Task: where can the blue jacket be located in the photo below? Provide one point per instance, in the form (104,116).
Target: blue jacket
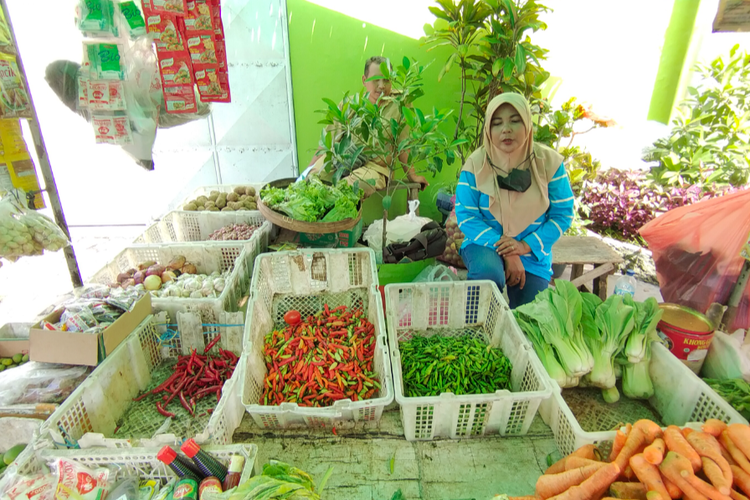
(481,228)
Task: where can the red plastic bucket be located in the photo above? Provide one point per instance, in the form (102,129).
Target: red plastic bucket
(688,334)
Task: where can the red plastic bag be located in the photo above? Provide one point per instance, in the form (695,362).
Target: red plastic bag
(697,248)
(455,238)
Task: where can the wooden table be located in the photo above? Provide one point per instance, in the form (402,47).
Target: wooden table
(581,250)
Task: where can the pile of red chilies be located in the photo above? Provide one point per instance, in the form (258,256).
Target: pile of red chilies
(316,362)
(195,377)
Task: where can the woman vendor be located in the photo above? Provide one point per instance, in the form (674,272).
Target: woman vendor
(513,202)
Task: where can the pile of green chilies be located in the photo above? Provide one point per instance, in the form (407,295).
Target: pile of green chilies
(461,365)
(735,391)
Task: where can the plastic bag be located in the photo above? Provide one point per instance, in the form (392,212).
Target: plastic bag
(437,272)
(33,383)
(35,487)
(24,232)
(697,248)
(455,239)
(728,357)
(80,482)
(401,229)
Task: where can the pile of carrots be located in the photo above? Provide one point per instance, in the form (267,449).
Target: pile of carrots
(648,463)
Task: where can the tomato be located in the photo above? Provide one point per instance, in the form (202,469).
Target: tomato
(293,318)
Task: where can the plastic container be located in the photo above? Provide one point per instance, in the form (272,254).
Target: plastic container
(305,280)
(626,284)
(222,256)
(688,334)
(458,308)
(680,398)
(182,226)
(100,402)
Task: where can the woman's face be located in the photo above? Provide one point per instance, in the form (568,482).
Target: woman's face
(507,131)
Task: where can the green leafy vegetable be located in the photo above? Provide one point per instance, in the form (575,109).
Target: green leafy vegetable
(615,321)
(647,316)
(735,391)
(311,200)
(278,480)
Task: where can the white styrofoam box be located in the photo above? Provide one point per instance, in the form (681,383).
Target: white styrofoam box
(680,398)
(133,462)
(220,256)
(107,394)
(183,226)
(476,308)
(305,281)
(725,360)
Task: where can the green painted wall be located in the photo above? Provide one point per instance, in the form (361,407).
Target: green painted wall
(328,52)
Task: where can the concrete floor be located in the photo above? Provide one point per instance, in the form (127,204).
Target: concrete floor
(426,470)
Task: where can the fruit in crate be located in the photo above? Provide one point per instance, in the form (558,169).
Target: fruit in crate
(12,362)
(164,280)
(233,232)
(239,200)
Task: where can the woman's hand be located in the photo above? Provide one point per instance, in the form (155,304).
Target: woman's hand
(508,246)
(515,274)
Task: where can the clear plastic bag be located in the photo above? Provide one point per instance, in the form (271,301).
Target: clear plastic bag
(455,239)
(438,272)
(25,232)
(401,229)
(34,383)
(697,248)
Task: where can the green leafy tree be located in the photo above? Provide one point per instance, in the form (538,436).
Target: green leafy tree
(710,138)
(363,129)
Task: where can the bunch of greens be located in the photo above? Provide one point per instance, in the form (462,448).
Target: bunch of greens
(735,391)
(460,365)
(278,480)
(584,341)
(311,200)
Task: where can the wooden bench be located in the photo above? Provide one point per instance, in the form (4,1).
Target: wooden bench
(581,250)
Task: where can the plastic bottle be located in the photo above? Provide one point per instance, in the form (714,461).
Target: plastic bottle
(209,485)
(185,489)
(170,458)
(207,464)
(235,471)
(626,284)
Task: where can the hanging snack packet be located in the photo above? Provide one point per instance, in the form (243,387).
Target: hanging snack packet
(14,100)
(38,487)
(83,86)
(221,53)
(95,18)
(198,18)
(133,19)
(123,132)
(202,49)
(180,99)
(176,69)
(207,78)
(104,60)
(166,34)
(6,42)
(216,20)
(177,7)
(106,95)
(104,128)
(80,482)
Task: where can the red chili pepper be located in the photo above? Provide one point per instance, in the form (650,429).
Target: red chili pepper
(142,396)
(185,404)
(212,343)
(161,410)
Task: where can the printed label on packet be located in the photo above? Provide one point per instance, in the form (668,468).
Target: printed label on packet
(123,134)
(221,53)
(104,128)
(177,7)
(180,99)
(202,49)
(167,35)
(176,69)
(216,20)
(106,95)
(207,79)
(198,19)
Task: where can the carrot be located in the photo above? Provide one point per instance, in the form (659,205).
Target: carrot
(649,475)
(654,453)
(741,479)
(636,439)
(714,474)
(714,427)
(550,485)
(649,428)
(652,495)
(673,467)
(593,487)
(735,452)
(674,491)
(705,488)
(589,451)
(686,431)
(620,437)
(740,436)
(577,462)
(707,446)
(628,472)
(677,443)
(735,495)
(625,490)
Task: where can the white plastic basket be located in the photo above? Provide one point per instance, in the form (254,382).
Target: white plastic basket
(680,398)
(476,308)
(179,226)
(305,281)
(221,256)
(136,462)
(104,398)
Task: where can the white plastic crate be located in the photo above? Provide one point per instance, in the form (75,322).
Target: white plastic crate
(221,256)
(102,400)
(305,281)
(182,226)
(680,398)
(451,309)
(136,462)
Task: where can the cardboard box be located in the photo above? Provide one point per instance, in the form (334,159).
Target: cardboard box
(14,339)
(75,348)
(342,239)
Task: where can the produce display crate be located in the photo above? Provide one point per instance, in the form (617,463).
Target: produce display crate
(137,462)
(451,309)
(104,400)
(305,281)
(180,226)
(221,256)
(680,398)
